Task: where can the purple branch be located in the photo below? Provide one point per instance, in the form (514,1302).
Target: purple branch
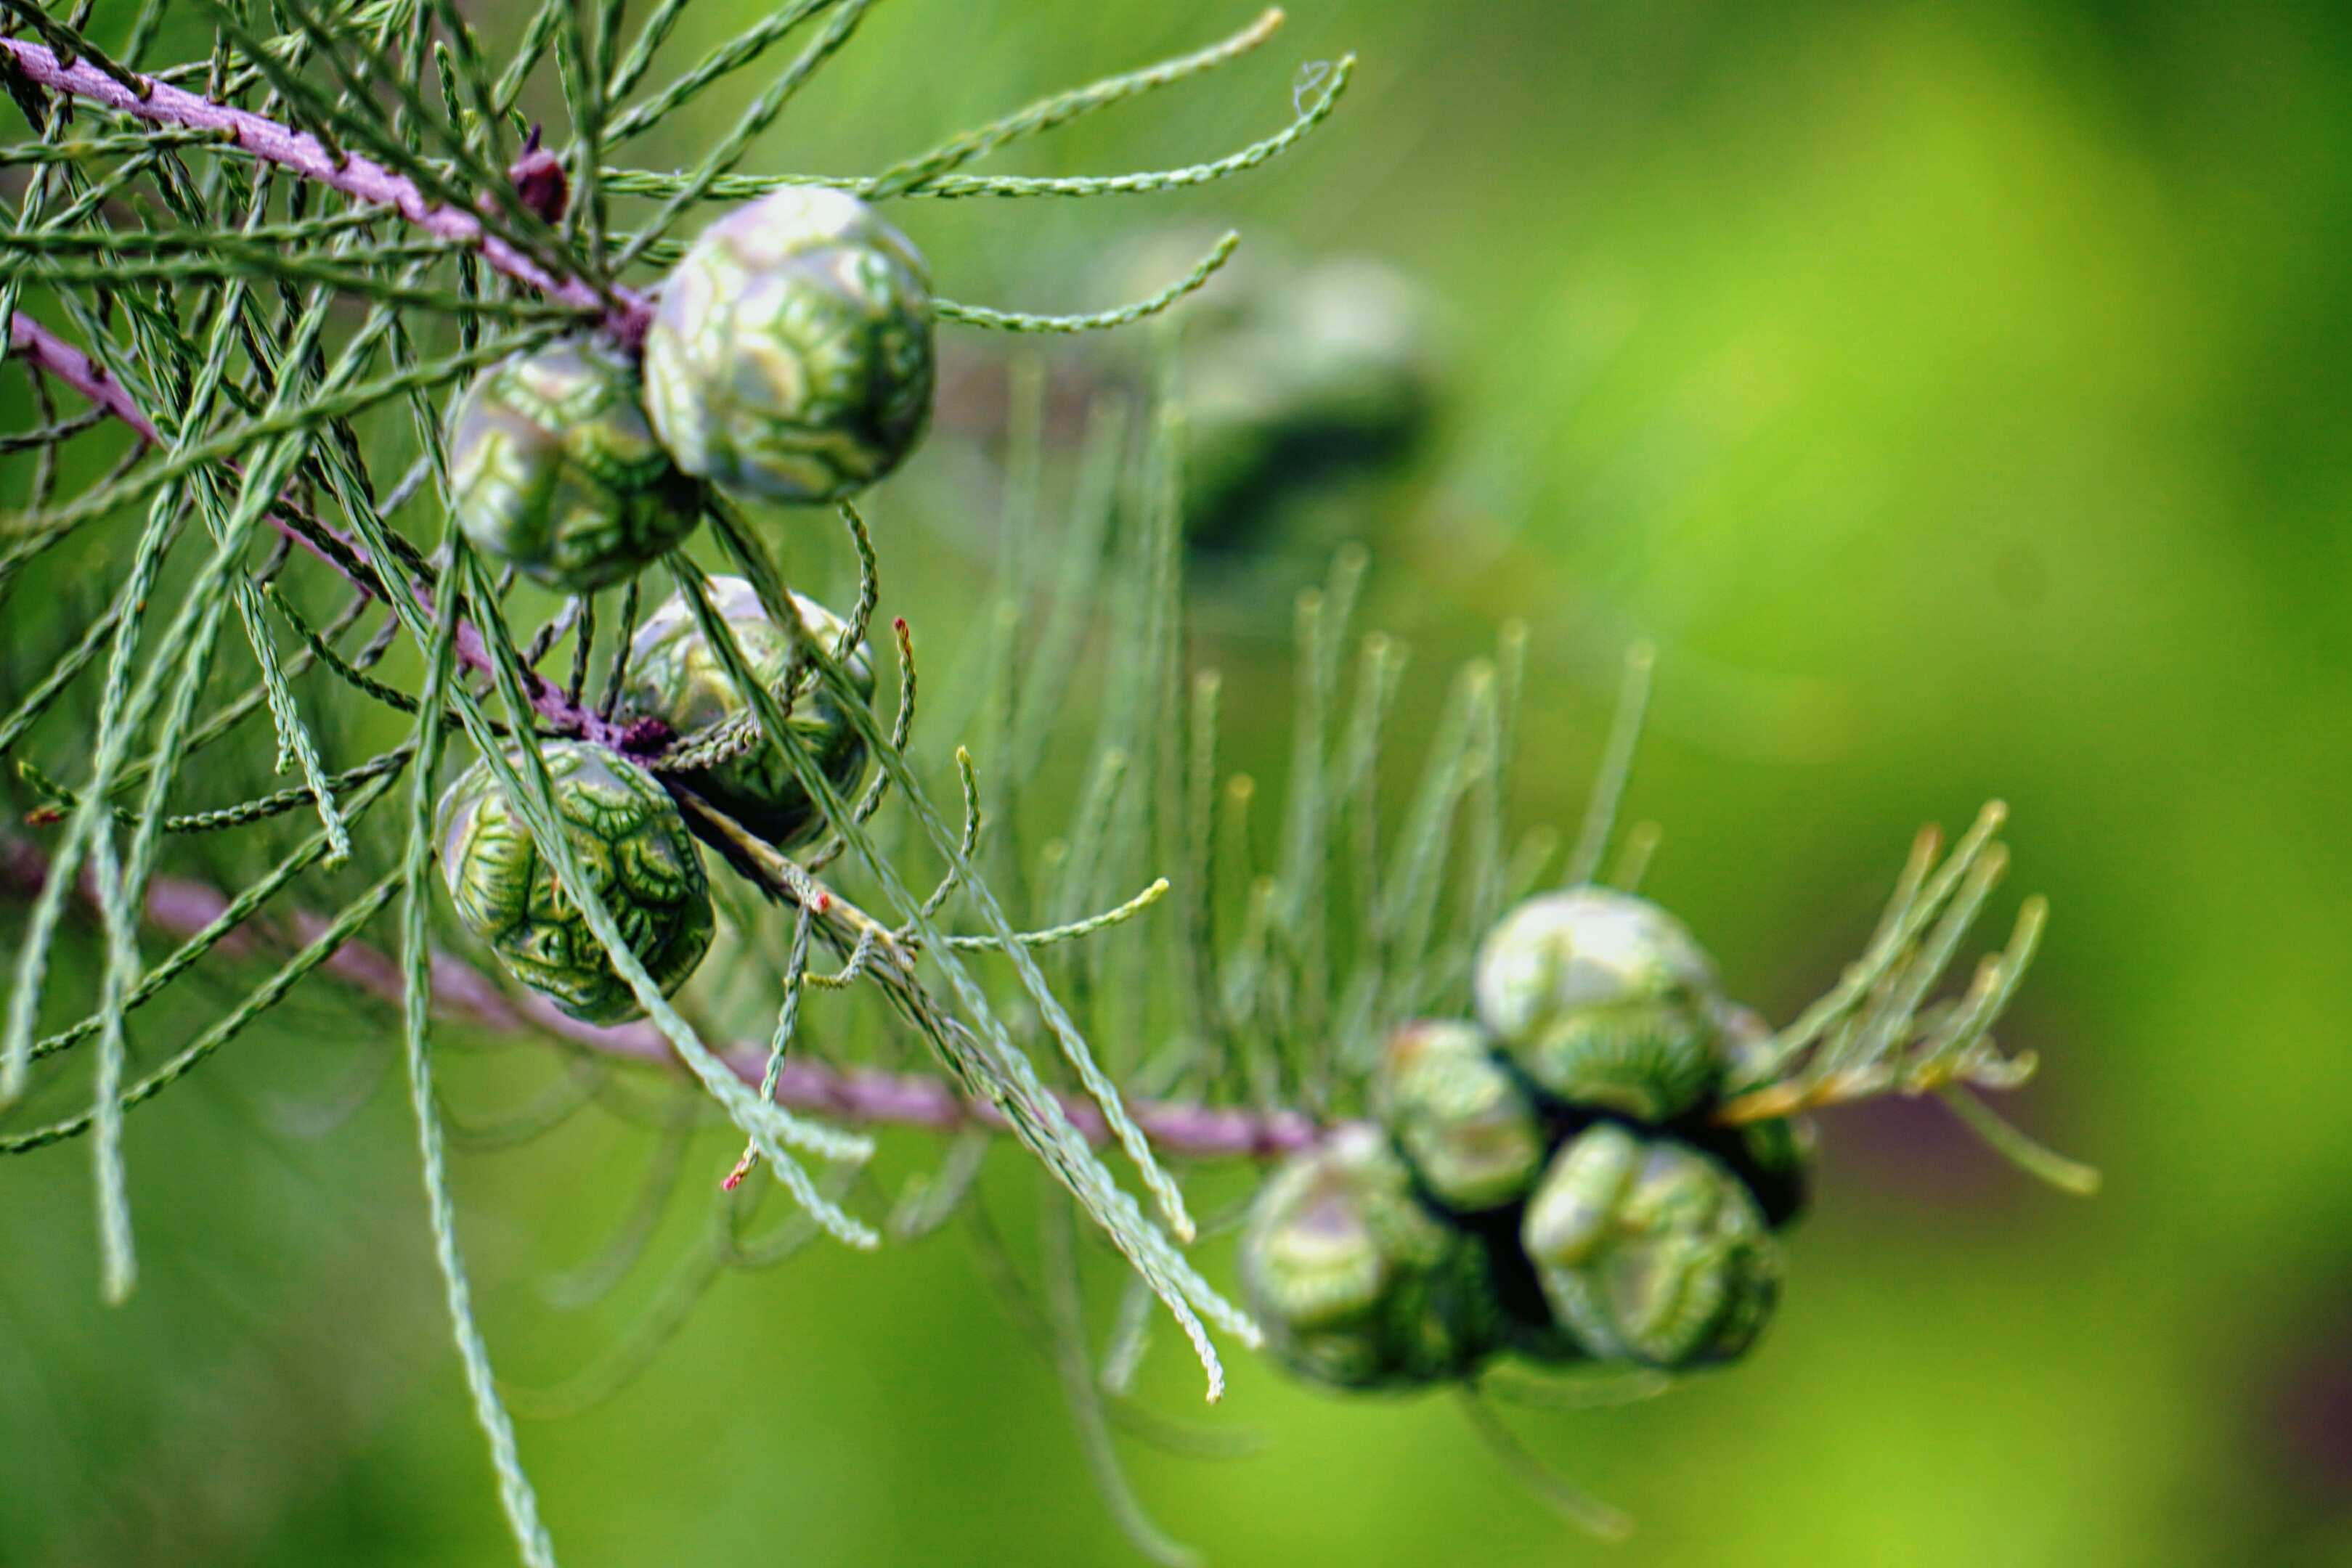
(163,104)
(626,311)
(859,1094)
(37,345)
(849,1093)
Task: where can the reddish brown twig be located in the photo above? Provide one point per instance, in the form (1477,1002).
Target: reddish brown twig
(37,345)
(625,311)
(862,1095)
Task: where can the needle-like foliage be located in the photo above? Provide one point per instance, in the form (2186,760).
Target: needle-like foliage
(257,278)
(266,271)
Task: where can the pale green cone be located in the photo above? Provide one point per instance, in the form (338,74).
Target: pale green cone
(630,841)
(554,470)
(1604,1000)
(1468,1129)
(791,353)
(676,676)
(1358,1286)
(1650,1251)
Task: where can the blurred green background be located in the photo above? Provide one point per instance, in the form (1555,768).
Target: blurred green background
(1960,395)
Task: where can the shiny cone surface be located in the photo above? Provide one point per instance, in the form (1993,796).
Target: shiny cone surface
(630,841)
(554,468)
(1356,1285)
(1467,1127)
(791,354)
(1605,1001)
(676,676)
(1650,1251)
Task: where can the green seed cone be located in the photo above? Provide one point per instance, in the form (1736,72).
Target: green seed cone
(1604,1000)
(674,675)
(791,354)
(631,843)
(1358,1286)
(554,468)
(1469,1130)
(1650,1251)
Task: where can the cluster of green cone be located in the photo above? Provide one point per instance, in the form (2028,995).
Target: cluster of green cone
(790,357)
(1546,1181)
(626,830)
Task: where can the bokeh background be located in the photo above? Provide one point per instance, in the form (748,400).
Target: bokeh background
(1957,394)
